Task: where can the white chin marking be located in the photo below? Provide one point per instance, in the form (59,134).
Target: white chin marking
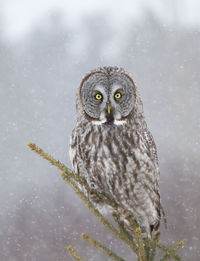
(99,122)
(116,122)
(119,122)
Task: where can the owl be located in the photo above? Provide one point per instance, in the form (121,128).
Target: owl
(112,148)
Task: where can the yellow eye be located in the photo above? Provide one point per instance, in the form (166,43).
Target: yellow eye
(98,96)
(118,95)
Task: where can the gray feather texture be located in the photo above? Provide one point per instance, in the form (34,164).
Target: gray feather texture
(112,148)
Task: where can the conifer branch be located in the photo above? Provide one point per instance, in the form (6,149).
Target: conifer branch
(98,245)
(74,254)
(136,243)
(141,250)
(122,229)
(67,175)
(153,243)
(167,249)
(171,253)
(98,215)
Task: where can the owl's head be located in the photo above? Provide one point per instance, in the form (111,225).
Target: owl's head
(107,96)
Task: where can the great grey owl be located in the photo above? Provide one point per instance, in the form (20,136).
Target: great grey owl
(112,148)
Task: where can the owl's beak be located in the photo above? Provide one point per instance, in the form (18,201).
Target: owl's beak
(108,109)
(109,114)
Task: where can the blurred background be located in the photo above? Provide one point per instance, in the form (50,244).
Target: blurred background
(45,49)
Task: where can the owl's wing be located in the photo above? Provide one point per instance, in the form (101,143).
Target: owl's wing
(150,145)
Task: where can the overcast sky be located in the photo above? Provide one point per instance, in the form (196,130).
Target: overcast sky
(20,16)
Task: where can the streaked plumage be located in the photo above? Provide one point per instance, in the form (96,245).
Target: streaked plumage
(112,148)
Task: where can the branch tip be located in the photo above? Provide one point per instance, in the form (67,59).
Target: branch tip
(84,236)
(181,243)
(69,248)
(73,253)
(31,145)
